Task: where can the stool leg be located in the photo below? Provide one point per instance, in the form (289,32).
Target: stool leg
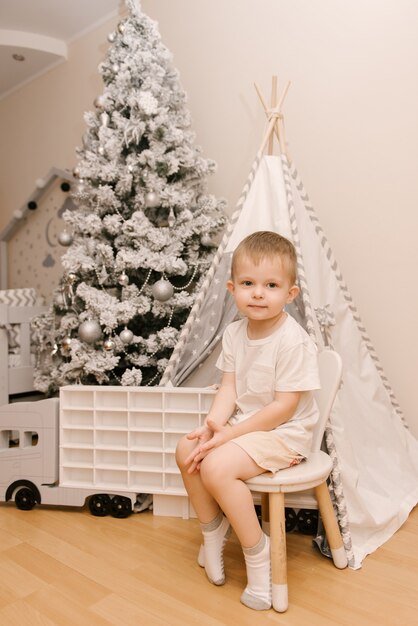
(331,526)
(265,513)
(278,552)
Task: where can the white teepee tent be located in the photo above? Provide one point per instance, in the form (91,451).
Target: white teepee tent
(374,482)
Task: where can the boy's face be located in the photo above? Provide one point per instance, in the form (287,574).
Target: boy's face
(261,291)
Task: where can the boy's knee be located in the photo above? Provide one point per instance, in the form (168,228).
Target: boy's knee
(183,450)
(210,471)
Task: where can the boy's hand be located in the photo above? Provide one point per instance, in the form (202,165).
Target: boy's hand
(220,435)
(202,434)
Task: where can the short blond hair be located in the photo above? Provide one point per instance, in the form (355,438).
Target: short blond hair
(267,244)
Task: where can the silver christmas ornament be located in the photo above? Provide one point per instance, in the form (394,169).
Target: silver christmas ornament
(76,171)
(65,238)
(121,28)
(126,336)
(71,278)
(152,199)
(123,279)
(101,150)
(54,349)
(108,344)
(89,331)
(115,68)
(66,343)
(100,102)
(111,37)
(162,290)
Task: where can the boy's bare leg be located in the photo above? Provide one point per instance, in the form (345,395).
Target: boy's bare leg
(223,472)
(202,501)
(215,527)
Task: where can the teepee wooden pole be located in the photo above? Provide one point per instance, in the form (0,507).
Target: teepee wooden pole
(273,102)
(269,131)
(283,96)
(266,109)
(260,95)
(274,112)
(280,123)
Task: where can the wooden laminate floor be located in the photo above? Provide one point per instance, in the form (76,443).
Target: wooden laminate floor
(64,567)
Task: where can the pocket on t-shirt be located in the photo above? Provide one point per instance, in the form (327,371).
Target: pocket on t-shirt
(260,381)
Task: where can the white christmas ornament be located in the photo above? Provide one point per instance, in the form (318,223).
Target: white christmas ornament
(59,299)
(152,199)
(65,238)
(89,331)
(100,102)
(162,290)
(126,336)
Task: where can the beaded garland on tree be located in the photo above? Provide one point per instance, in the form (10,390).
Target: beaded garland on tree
(141,238)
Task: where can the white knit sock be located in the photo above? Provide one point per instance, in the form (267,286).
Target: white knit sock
(215,535)
(257,594)
(201,556)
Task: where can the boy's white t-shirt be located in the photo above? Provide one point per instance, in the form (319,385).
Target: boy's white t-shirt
(286,360)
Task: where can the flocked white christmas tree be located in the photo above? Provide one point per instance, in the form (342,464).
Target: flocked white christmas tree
(141,237)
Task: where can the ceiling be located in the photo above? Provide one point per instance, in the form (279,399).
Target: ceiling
(40,31)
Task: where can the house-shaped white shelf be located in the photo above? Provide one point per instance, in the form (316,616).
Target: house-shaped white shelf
(42,240)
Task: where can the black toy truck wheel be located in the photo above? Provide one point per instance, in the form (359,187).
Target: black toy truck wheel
(25,499)
(100,504)
(291,519)
(307,520)
(121,506)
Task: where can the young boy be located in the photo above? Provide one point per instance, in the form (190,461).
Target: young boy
(262,416)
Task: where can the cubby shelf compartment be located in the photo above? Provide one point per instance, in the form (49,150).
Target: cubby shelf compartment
(124,438)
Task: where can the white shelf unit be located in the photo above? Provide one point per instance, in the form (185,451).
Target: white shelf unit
(124,438)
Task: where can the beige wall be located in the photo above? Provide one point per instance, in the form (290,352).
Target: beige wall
(350,119)
(42,123)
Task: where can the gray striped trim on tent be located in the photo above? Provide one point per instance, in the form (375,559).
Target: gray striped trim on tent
(336,490)
(301,268)
(334,266)
(194,312)
(335,487)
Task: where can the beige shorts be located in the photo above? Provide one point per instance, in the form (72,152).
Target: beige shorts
(268,450)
